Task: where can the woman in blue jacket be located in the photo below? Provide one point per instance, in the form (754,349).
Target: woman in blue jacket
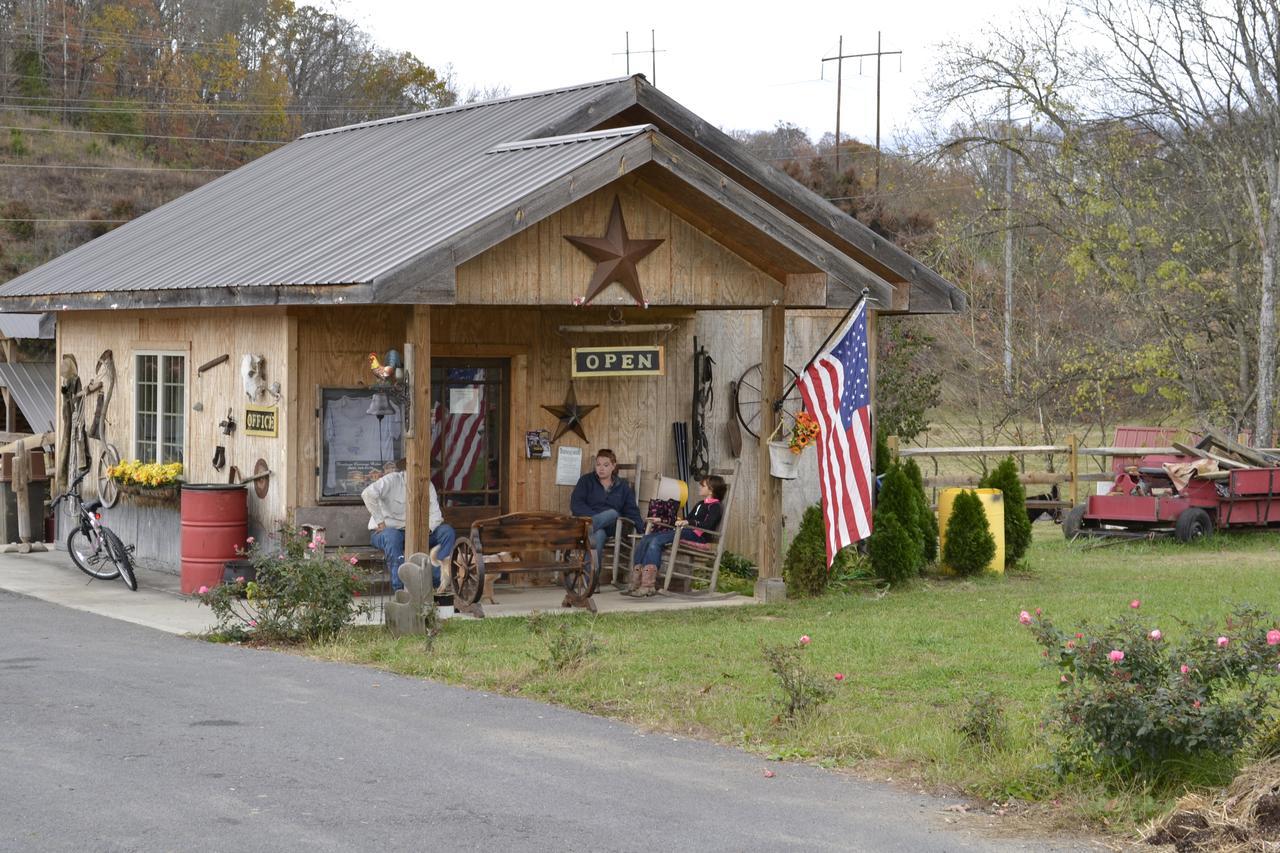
(605,497)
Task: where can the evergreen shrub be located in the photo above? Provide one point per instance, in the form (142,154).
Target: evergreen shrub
(969,548)
(805,566)
(895,554)
(1017,525)
(928,521)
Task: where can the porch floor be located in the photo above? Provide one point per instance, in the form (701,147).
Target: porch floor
(158,603)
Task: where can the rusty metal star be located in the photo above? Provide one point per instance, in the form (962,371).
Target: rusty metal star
(570,415)
(616,256)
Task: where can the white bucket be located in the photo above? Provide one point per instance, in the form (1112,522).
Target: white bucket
(444,611)
(783,464)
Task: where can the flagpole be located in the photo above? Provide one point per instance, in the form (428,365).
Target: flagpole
(777,404)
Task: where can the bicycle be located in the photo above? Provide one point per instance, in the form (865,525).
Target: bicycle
(92,545)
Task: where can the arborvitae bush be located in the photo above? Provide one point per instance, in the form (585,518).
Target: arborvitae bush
(928,523)
(884,459)
(895,554)
(805,567)
(898,498)
(1017,526)
(970,547)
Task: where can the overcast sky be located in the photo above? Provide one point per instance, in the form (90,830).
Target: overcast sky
(740,66)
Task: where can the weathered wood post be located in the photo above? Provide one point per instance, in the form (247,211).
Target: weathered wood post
(769,584)
(417,521)
(1073,467)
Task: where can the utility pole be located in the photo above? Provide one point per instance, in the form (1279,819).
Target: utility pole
(1008,249)
(652,51)
(838,59)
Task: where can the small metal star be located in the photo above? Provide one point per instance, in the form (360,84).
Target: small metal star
(616,256)
(570,415)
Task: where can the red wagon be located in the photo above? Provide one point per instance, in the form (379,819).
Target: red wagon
(1147,502)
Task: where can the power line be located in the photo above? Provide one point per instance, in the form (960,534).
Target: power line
(144,135)
(839,59)
(66,220)
(107,168)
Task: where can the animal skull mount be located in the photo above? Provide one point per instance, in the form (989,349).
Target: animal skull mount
(253,372)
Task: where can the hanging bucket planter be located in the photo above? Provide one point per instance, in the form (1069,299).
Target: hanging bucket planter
(783,464)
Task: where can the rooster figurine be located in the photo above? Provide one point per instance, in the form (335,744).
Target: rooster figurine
(382,371)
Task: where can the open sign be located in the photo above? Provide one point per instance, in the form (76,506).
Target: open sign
(618,361)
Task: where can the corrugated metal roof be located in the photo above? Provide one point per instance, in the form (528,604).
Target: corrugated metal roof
(336,207)
(28,325)
(32,387)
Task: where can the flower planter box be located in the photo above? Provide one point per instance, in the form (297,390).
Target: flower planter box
(147,496)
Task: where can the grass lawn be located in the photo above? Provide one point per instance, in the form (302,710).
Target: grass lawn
(910,658)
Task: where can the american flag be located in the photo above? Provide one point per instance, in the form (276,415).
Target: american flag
(837,392)
(459,436)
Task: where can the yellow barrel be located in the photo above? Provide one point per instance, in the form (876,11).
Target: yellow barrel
(992,505)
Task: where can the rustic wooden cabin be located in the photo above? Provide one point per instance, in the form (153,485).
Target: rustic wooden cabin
(487,244)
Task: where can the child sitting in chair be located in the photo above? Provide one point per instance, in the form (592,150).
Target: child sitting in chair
(648,551)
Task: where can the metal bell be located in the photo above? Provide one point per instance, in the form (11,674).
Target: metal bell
(380,406)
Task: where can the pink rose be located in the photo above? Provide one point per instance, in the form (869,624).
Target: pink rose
(1071,644)
(1156,635)
(768,774)
(1195,704)
(353,561)
(311,545)
(240,579)
(202,590)
(250,541)
(1135,604)
(319,540)
(804,641)
(1039,611)
(1024,617)
(1273,637)
(1116,656)
(1063,679)
(1222,642)
(1079,636)
(839,676)
(253,623)
(1184,669)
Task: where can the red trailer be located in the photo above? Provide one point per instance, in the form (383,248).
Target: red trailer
(1147,502)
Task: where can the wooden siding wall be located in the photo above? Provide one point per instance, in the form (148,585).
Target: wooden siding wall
(634,415)
(201,336)
(689,268)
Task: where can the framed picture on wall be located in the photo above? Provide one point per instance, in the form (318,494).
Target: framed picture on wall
(355,443)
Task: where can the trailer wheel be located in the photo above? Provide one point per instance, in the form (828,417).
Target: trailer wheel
(1192,524)
(1073,522)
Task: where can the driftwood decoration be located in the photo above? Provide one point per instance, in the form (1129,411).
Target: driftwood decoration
(409,611)
(103,386)
(70,387)
(21,489)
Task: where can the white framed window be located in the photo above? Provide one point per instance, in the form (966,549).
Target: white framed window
(160,406)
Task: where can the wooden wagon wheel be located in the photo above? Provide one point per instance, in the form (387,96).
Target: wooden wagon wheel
(577,583)
(108,489)
(467,572)
(748,402)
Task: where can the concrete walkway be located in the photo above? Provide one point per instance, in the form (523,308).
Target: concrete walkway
(158,603)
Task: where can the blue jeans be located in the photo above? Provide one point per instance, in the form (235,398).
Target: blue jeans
(649,549)
(391,541)
(602,526)
(444,536)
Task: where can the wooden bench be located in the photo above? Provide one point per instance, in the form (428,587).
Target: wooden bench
(346,529)
(528,542)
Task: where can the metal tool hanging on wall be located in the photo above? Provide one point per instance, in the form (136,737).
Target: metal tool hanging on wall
(228,424)
(703,399)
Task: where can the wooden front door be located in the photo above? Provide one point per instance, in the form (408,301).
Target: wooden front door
(470,404)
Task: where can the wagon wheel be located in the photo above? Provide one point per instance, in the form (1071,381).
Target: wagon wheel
(467,572)
(748,402)
(578,583)
(108,489)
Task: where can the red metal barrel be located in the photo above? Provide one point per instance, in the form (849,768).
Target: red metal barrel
(215,521)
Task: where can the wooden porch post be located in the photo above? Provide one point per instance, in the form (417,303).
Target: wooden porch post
(417,522)
(769,585)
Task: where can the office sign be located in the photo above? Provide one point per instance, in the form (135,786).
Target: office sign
(260,420)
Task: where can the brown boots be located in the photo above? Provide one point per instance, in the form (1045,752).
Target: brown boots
(644,581)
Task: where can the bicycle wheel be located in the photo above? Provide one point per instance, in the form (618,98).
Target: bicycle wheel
(90,555)
(119,555)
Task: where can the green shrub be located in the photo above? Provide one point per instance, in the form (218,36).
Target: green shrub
(803,692)
(1017,526)
(805,567)
(1133,702)
(983,724)
(738,566)
(928,521)
(884,459)
(566,646)
(296,596)
(17,144)
(970,547)
(895,553)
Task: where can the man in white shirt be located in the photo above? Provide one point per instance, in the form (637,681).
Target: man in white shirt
(385,501)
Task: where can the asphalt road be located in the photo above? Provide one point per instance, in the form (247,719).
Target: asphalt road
(115,737)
